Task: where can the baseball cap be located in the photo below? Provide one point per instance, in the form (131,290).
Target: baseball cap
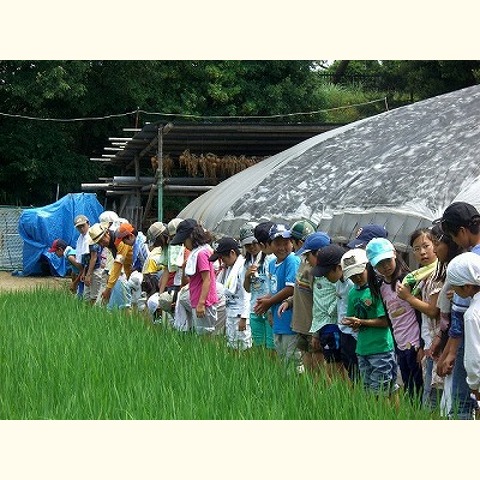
(108,216)
(458,214)
(366,233)
(184,229)
(155,230)
(328,257)
(97,231)
(302,228)
(314,241)
(80,220)
(172,226)
(379,249)
(224,246)
(58,243)
(262,230)
(279,230)
(353,262)
(247,236)
(123,231)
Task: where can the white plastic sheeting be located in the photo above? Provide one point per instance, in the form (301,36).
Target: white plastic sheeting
(399,169)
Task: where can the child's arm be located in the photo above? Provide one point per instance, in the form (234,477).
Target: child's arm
(428,308)
(91,266)
(264,303)
(73,261)
(203,293)
(356,323)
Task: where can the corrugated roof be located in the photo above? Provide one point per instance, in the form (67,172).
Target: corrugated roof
(221,139)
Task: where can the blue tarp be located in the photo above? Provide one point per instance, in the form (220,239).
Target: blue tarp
(39,227)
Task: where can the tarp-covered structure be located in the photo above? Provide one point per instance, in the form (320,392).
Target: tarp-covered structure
(39,227)
(400,169)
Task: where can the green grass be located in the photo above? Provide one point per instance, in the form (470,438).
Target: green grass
(61,359)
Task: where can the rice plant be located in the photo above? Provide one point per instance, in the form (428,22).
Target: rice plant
(62,359)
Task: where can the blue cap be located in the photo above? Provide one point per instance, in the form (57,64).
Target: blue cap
(365,234)
(314,241)
(379,249)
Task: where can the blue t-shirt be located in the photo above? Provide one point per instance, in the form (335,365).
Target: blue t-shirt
(69,251)
(282,275)
(86,256)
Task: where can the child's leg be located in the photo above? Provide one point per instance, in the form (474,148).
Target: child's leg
(383,372)
(411,372)
(237,339)
(257,326)
(348,345)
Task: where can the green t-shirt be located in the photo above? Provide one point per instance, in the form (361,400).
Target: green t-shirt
(371,340)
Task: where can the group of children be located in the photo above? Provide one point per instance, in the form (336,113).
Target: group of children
(352,310)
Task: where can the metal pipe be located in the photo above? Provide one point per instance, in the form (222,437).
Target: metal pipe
(162,129)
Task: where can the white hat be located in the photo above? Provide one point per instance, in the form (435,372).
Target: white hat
(353,262)
(464,269)
(108,216)
(172,226)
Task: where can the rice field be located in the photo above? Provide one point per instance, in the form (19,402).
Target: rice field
(63,360)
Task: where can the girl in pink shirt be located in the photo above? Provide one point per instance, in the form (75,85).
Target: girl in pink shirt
(201,275)
(403,317)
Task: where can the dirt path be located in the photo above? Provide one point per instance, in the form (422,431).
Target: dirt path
(9,282)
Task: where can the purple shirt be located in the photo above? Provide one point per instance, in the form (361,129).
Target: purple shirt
(402,315)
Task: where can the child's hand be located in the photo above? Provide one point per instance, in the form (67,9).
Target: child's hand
(262,305)
(282,308)
(251,270)
(242,324)
(403,291)
(353,322)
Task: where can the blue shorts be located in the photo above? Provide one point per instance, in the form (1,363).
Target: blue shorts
(379,372)
(330,341)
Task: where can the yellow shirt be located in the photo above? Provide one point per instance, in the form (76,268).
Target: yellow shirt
(123,260)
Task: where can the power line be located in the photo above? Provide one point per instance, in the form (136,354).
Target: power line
(182,115)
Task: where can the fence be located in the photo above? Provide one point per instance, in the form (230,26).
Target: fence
(11,244)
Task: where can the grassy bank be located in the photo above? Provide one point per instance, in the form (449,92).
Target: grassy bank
(60,359)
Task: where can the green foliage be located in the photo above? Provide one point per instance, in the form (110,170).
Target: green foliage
(63,359)
(36,156)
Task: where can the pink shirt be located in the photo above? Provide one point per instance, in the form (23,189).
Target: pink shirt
(203,264)
(402,315)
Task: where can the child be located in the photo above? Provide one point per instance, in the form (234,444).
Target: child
(405,325)
(461,221)
(257,284)
(421,241)
(153,268)
(328,266)
(366,314)
(282,271)
(82,224)
(302,302)
(202,282)
(300,231)
(239,335)
(61,249)
(463,274)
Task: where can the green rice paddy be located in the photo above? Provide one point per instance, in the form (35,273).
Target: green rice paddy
(62,359)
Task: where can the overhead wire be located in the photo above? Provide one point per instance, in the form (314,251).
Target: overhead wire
(183,115)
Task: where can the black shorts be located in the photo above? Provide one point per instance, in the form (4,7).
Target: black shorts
(330,342)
